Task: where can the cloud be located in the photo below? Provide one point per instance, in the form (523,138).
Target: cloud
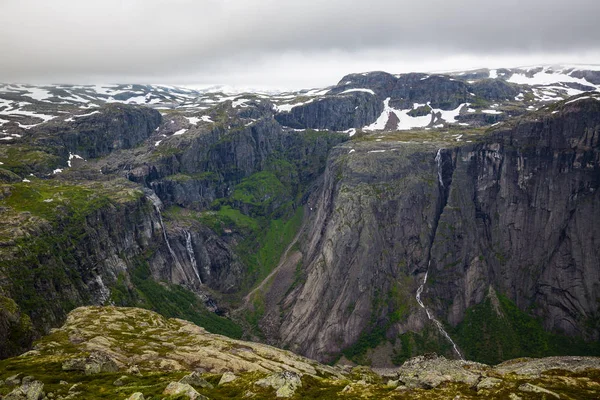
(223,40)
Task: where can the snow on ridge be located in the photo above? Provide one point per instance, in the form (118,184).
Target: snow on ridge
(450,115)
(239,102)
(491,112)
(547,78)
(206,118)
(582,98)
(358,90)
(493,73)
(193,120)
(289,107)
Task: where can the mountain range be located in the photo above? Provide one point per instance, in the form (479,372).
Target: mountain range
(382,218)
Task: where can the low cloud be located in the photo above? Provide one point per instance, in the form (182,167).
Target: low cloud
(283,43)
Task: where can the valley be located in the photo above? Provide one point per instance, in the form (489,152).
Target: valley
(366,223)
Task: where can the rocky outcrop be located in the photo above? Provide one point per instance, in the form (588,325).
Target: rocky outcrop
(153,347)
(162,349)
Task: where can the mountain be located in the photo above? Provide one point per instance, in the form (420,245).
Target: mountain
(378,219)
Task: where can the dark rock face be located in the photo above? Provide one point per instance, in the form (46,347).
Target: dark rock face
(342,109)
(522,215)
(494,89)
(339,113)
(114,127)
(518,212)
(442,91)
(371,228)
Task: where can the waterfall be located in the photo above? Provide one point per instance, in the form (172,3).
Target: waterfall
(438,159)
(437,323)
(162,225)
(190,250)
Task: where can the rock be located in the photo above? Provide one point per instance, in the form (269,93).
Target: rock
(176,388)
(134,370)
(94,364)
(27,379)
(13,380)
(74,388)
(136,396)
(121,381)
(392,383)
(227,377)
(285,383)
(528,387)
(488,383)
(195,379)
(31,390)
(64,383)
(514,396)
(430,371)
(34,390)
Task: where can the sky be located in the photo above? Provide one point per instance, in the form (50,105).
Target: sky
(284,44)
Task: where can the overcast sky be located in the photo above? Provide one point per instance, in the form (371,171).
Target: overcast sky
(280,43)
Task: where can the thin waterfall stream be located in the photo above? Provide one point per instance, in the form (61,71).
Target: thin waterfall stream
(437,323)
(190,250)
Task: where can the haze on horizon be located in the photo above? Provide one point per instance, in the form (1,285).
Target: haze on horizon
(284,44)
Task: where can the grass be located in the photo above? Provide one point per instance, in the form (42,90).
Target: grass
(447,136)
(51,199)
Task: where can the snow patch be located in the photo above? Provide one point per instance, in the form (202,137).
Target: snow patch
(289,107)
(582,98)
(180,132)
(358,90)
(193,120)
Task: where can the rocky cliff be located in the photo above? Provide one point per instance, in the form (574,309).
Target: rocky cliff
(377,244)
(507,221)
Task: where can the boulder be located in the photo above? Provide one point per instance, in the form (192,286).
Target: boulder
(94,364)
(176,388)
(285,383)
(195,379)
(528,387)
(227,377)
(136,396)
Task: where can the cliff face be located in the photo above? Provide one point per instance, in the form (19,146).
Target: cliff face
(515,213)
(522,216)
(490,228)
(84,235)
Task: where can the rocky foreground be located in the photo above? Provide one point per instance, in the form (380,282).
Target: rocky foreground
(130,353)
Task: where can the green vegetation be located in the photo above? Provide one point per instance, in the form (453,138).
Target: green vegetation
(171,301)
(24,159)
(420,111)
(488,336)
(443,136)
(427,341)
(262,253)
(261,192)
(53,199)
